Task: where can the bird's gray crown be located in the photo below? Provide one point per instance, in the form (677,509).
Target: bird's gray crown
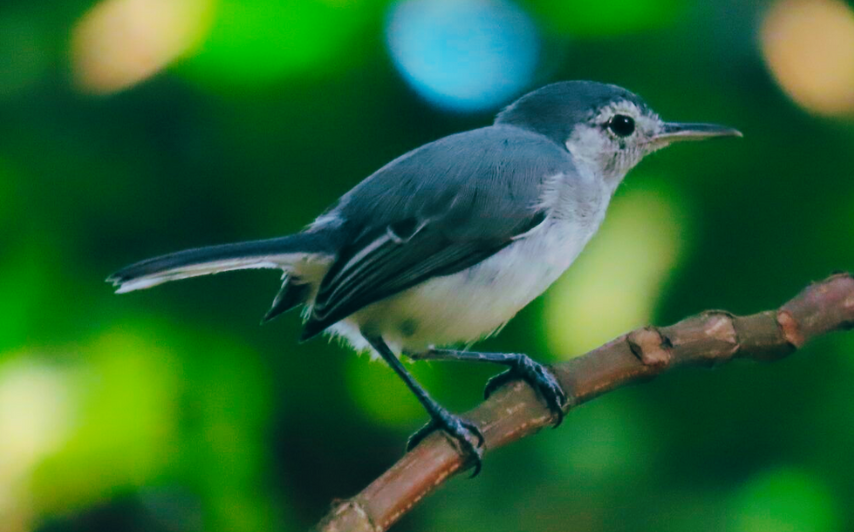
(555,110)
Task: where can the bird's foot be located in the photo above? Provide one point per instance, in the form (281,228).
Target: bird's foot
(538,377)
(465,435)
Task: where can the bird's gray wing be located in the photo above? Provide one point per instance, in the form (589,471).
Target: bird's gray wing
(435,211)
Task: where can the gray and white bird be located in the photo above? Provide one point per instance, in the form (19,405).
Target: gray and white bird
(448,242)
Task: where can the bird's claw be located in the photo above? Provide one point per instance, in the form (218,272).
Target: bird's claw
(465,435)
(539,378)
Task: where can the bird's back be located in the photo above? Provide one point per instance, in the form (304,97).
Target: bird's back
(481,182)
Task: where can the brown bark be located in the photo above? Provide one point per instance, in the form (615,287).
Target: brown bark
(514,411)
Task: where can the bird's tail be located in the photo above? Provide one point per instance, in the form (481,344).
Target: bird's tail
(278,253)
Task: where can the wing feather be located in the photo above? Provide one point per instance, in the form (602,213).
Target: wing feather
(391,268)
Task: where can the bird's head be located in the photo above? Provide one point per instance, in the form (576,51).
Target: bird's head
(606,128)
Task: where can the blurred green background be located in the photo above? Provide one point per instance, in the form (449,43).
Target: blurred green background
(130,128)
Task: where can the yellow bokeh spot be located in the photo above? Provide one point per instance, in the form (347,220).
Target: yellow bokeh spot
(809,47)
(37,413)
(119,43)
(614,285)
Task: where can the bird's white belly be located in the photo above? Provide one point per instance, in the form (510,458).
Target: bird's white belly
(473,303)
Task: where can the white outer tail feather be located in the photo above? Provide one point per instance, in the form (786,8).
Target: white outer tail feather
(196,270)
(306,255)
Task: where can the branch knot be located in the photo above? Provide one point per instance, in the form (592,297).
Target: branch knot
(348,516)
(790,329)
(651,347)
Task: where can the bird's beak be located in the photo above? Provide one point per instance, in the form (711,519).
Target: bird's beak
(676,131)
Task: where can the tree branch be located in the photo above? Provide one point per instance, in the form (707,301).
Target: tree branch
(514,411)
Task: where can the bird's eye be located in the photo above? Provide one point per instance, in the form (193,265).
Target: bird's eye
(621,125)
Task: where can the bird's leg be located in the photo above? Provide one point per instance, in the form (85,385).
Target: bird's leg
(467,436)
(521,367)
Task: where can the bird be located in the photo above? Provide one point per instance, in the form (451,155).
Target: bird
(442,246)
